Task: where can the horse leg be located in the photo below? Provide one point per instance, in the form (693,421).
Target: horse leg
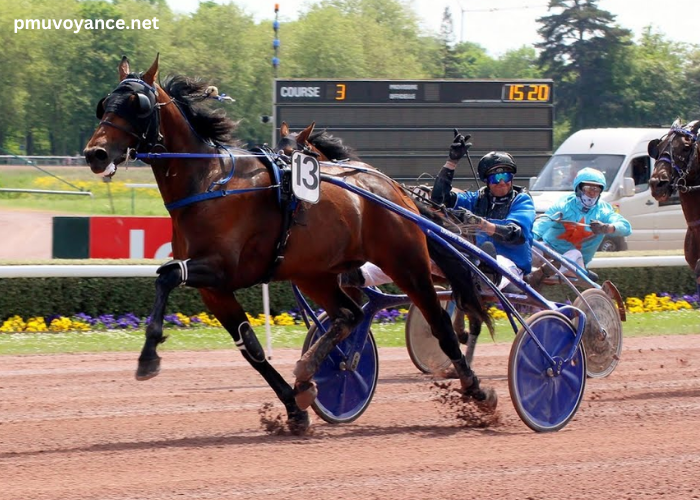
(203,274)
(697,277)
(170,275)
(418,286)
(472,337)
(345,315)
(233,318)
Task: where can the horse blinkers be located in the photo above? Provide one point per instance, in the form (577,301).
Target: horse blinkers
(143,106)
(100,110)
(653,148)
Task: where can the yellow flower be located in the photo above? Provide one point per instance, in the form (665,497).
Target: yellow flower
(496,313)
(13,324)
(284,319)
(60,324)
(36,325)
(185,320)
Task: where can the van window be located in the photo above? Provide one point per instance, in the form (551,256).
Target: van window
(640,170)
(560,171)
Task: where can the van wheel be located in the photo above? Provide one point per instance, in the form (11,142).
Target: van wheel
(612,245)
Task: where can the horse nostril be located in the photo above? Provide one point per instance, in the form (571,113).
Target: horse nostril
(93,155)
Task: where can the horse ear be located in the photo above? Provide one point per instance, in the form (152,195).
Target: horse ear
(124,68)
(284,130)
(696,126)
(304,135)
(150,76)
(653,148)
(677,123)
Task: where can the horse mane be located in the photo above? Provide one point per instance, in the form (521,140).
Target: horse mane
(332,147)
(209,123)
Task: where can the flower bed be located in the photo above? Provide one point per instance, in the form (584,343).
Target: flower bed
(84,322)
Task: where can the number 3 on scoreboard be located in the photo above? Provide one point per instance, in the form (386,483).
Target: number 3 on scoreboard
(306,177)
(339,91)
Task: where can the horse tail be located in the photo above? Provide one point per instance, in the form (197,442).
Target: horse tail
(462,281)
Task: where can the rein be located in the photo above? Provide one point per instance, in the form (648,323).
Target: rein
(209,194)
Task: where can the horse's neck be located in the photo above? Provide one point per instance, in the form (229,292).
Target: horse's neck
(179,178)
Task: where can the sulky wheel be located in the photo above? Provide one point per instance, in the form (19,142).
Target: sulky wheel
(346,380)
(545,399)
(602,337)
(424,349)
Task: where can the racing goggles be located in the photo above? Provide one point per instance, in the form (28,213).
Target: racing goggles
(501,176)
(591,189)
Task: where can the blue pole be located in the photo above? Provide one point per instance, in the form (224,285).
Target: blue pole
(276,41)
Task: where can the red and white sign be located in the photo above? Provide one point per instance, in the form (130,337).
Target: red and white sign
(131,238)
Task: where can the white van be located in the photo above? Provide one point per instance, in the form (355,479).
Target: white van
(621,154)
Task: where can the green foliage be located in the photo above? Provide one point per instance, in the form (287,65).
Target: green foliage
(94,296)
(53,78)
(30,297)
(581,50)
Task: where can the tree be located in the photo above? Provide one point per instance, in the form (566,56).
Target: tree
(660,83)
(582,47)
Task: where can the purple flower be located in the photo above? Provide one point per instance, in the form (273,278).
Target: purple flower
(86,318)
(108,321)
(172,318)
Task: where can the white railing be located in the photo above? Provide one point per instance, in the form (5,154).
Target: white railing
(149,271)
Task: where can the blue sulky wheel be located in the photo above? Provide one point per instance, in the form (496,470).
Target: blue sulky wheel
(544,400)
(347,379)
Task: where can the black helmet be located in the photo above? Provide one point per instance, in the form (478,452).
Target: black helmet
(495,162)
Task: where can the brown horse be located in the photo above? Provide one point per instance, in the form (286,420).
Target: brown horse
(328,147)
(677,168)
(228,230)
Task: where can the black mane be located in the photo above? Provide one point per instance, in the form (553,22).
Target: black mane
(209,123)
(332,146)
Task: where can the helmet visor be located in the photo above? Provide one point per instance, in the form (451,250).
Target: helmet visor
(501,176)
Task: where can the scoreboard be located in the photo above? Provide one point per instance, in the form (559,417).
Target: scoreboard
(405,127)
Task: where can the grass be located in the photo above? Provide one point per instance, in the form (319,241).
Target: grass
(109,198)
(386,335)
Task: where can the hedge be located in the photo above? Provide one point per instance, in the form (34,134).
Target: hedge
(29,297)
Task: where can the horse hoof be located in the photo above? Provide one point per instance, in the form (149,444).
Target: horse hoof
(299,424)
(148,369)
(490,400)
(305,394)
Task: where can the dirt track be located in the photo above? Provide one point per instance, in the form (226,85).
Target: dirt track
(80,427)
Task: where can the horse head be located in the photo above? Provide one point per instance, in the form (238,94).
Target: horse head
(324,146)
(676,156)
(128,117)
(298,141)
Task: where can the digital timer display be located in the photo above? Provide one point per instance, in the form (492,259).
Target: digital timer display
(526,92)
